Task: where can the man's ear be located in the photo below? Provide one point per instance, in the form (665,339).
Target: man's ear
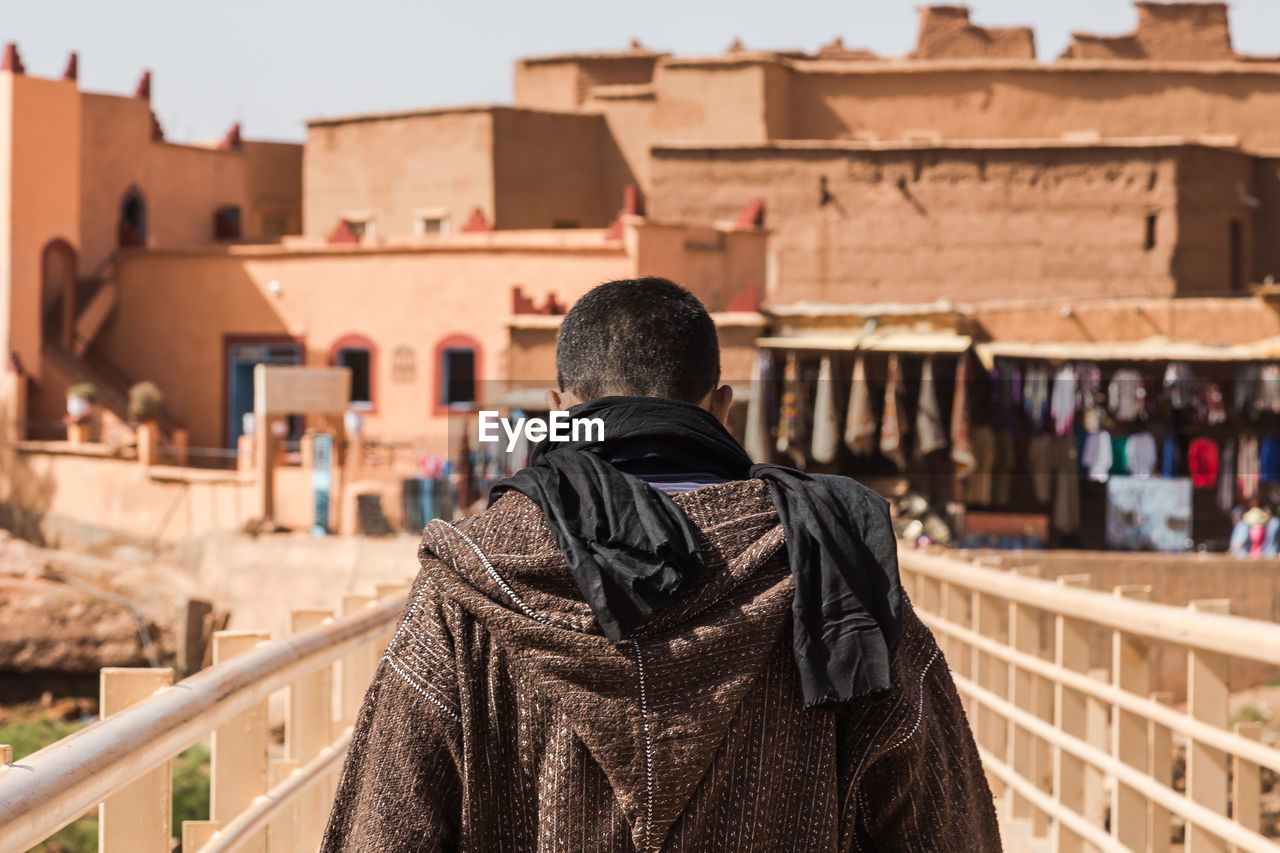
(719,401)
(561,401)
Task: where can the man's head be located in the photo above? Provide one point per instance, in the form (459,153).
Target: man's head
(643,337)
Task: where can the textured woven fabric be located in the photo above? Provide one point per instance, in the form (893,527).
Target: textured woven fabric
(500,719)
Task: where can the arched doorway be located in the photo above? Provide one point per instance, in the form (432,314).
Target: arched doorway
(132,230)
(58,291)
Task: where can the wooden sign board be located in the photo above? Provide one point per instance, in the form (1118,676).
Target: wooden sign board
(289,389)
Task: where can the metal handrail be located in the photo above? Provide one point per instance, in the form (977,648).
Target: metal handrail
(1229,635)
(48,789)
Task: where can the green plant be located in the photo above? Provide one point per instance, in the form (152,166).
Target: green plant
(84,390)
(146,401)
(1250,714)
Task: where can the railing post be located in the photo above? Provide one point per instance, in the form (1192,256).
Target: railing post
(1247,792)
(1207,701)
(1131,672)
(1095,799)
(238,748)
(1024,636)
(1160,746)
(282,831)
(196,834)
(1071,651)
(137,818)
(309,731)
(992,674)
(357,667)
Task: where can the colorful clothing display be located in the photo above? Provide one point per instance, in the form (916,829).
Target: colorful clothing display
(930,436)
(1247,467)
(1127,395)
(756,437)
(1062,402)
(962,458)
(826,429)
(1141,454)
(1096,457)
(1202,462)
(891,428)
(860,421)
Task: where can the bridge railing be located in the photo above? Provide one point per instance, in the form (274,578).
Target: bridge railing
(263,796)
(1085,756)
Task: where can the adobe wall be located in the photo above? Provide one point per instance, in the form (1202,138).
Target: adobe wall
(183,185)
(407,297)
(273,185)
(921,225)
(390,167)
(946,33)
(1214,187)
(42,178)
(563,83)
(724,267)
(554,170)
(1266,189)
(966,100)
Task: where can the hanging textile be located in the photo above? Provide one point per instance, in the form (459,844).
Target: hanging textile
(826,429)
(1227,476)
(1088,387)
(1036,387)
(1169,466)
(1247,467)
(1140,454)
(1215,406)
(1244,396)
(1269,460)
(890,428)
(1119,457)
(1179,383)
(1269,388)
(1127,395)
(789,414)
(930,436)
(962,457)
(1202,463)
(756,439)
(860,421)
(1040,449)
(1062,402)
(1066,493)
(1096,457)
(1003,468)
(978,486)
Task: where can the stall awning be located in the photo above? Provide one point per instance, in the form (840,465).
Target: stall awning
(1148,349)
(886,340)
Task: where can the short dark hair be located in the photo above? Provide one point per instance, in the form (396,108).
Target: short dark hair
(638,337)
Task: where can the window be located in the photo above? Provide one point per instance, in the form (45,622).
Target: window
(432,225)
(1149,240)
(361,228)
(356,353)
(1235,237)
(226,223)
(458,376)
(564,223)
(131,230)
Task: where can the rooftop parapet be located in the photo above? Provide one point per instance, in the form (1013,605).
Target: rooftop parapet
(1190,32)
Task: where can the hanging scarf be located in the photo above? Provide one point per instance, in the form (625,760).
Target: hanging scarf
(929,434)
(890,431)
(962,457)
(789,416)
(860,421)
(632,550)
(756,439)
(826,429)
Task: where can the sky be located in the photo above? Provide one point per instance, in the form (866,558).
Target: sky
(271,65)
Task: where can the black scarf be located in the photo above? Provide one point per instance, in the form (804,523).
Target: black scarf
(632,550)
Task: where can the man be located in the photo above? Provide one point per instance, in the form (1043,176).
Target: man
(647,643)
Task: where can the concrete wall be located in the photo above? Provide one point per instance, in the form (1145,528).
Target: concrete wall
(183,185)
(918,225)
(388,167)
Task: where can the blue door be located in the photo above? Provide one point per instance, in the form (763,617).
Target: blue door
(241,359)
